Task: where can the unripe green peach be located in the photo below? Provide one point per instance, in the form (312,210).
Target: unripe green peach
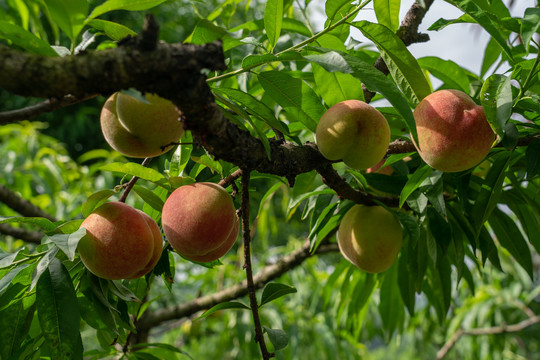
(137,129)
(354,132)
(120,242)
(453,133)
(200,221)
(370,237)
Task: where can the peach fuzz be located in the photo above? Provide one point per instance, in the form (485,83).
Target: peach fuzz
(370,237)
(137,129)
(200,221)
(453,133)
(355,132)
(120,242)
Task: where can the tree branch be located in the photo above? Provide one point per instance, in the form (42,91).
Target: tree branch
(23,234)
(246,235)
(486,331)
(31,111)
(20,205)
(150,319)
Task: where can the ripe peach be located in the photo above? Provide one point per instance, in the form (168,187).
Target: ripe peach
(354,132)
(137,129)
(120,242)
(453,133)
(200,221)
(370,237)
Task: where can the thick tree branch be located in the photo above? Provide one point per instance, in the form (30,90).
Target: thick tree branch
(154,318)
(20,205)
(486,331)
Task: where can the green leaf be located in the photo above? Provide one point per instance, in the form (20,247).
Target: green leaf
(117,288)
(138,170)
(43,265)
(446,70)
(273,17)
(496,98)
(130,5)
(274,291)
(402,65)
(511,238)
(244,114)
(181,155)
(68,242)
(335,86)
(387,12)
(43,223)
(339,61)
(491,54)
(113,30)
(58,312)
(6,259)
(223,306)
(406,281)
(149,197)
(6,279)
(69,16)
(529,25)
(532,156)
(278,337)
(414,182)
(333,7)
(255,107)
(95,200)
(294,95)
(482,18)
(25,39)
(490,191)
(206,32)
(15,323)
(213,165)
(391,304)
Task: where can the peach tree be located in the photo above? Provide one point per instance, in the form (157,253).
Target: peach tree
(244,85)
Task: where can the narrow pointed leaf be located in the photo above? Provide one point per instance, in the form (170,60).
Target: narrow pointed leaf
(387,12)
(58,312)
(224,306)
(496,98)
(273,291)
(402,65)
(273,18)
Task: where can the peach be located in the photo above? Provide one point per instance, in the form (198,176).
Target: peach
(137,129)
(453,132)
(200,221)
(370,237)
(120,242)
(354,132)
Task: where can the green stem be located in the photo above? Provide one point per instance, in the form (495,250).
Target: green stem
(297,46)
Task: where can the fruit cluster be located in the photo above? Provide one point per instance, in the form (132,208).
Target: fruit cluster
(453,135)
(200,221)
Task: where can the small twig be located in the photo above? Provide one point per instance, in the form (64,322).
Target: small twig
(486,331)
(259,336)
(230,179)
(132,182)
(31,111)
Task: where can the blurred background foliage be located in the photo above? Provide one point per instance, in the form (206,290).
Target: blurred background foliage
(337,313)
